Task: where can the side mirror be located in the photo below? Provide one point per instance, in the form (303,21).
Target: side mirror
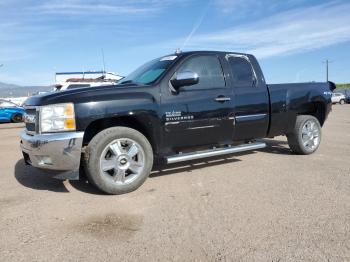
(186,78)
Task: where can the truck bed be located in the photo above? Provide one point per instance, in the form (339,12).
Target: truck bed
(290,99)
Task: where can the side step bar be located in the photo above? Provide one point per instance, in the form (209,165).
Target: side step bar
(214,152)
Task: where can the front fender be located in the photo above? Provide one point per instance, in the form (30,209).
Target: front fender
(126,105)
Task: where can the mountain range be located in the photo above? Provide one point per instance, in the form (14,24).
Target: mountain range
(12,90)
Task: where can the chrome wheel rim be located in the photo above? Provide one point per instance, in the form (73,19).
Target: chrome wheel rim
(122,161)
(310,135)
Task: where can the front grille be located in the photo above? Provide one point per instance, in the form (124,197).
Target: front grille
(31,119)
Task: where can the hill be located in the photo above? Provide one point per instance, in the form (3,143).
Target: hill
(11,90)
(343,86)
(6,85)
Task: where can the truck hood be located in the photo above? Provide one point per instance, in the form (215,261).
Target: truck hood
(90,94)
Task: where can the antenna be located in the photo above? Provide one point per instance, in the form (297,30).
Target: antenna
(103,61)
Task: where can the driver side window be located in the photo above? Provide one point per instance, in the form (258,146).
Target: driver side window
(208,69)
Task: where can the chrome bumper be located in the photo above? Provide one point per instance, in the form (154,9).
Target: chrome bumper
(56,151)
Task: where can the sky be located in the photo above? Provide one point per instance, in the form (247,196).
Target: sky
(290,38)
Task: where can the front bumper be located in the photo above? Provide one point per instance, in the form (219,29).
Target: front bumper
(55,151)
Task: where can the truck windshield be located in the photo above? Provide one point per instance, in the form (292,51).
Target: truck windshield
(149,72)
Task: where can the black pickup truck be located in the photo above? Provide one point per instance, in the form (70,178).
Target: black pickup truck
(175,108)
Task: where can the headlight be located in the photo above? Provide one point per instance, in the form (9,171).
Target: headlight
(57,118)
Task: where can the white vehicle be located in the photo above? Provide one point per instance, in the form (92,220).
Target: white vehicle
(16,100)
(70,80)
(338,98)
(80,83)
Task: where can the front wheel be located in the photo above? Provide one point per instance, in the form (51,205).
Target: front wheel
(16,118)
(306,135)
(342,102)
(118,160)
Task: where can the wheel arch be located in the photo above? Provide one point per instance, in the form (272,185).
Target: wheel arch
(317,107)
(140,123)
(319,111)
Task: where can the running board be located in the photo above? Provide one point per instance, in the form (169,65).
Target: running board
(214,152)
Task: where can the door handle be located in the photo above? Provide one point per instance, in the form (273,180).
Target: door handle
(222,99)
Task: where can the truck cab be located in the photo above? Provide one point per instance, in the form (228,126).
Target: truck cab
(219,105)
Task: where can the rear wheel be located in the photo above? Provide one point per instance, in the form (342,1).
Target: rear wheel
(118,160)
(342,102)
(306,136)
(16,118)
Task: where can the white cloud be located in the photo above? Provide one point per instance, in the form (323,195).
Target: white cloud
(26,30)
(106,7)
(297,30)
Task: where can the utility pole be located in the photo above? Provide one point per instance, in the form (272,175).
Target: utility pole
(327,62)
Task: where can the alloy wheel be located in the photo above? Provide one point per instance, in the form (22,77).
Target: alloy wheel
(122,160)
(310,135)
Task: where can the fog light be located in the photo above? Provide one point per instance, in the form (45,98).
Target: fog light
(45,160)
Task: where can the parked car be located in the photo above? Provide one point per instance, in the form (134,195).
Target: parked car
(10,112)
(338,98)
(70,80)
(347,95)
(82,83)
(175,108)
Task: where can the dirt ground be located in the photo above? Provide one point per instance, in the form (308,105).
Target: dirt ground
(266,205)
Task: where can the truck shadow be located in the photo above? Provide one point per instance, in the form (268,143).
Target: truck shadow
(189,166)
(42,180)
(83,185)
(36,179)
(275,146)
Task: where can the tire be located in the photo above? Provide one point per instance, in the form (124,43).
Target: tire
(342,102)
(307,128)
(16,118)
(110,163)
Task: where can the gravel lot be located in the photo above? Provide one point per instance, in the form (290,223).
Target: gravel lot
(267,205)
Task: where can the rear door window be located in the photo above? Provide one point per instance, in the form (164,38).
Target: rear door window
(242,72)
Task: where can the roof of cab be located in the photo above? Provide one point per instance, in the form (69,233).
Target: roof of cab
(209,52)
